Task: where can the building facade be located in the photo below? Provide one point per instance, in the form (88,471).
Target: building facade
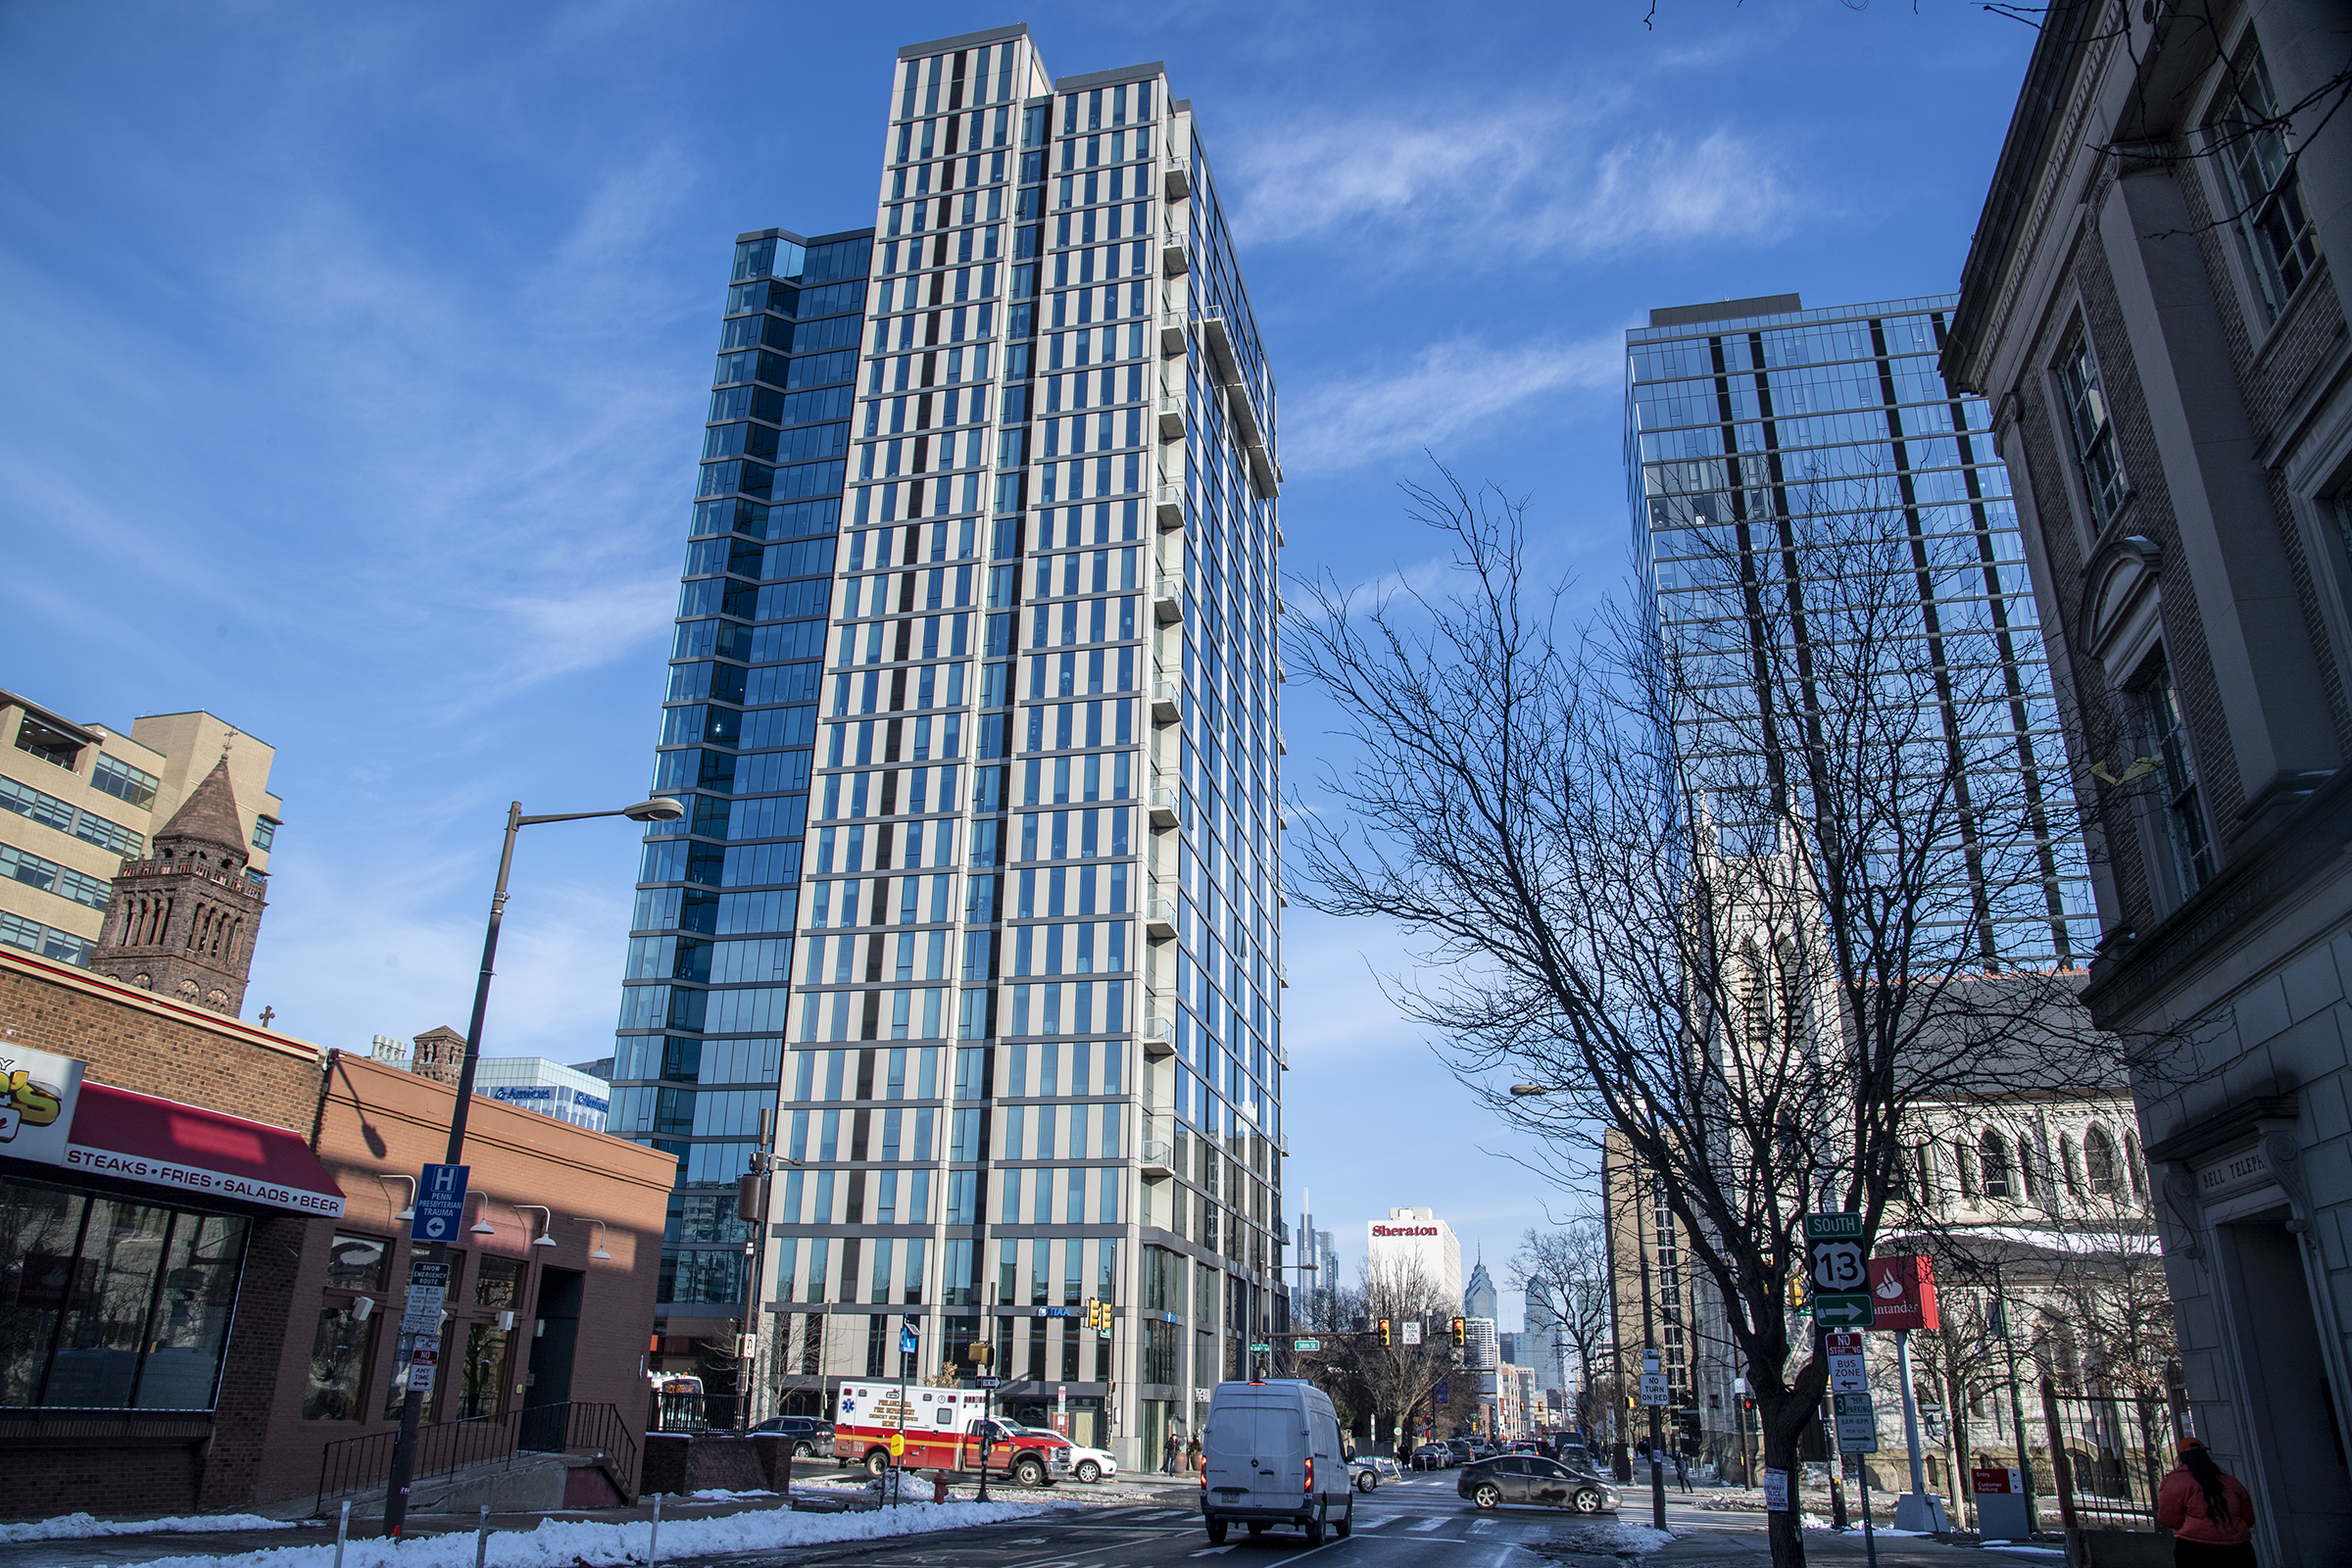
(1762,441)
(974,697)
(81,800)
(2151,310)
(534,1083)
(1416,1240)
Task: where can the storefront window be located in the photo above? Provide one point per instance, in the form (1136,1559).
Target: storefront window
(485,1369)
(106,1303)
(497,1284)
(357,1262)
(338,1361)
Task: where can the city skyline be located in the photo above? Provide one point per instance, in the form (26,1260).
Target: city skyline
(480,621)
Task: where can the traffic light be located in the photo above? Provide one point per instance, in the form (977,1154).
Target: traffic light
(1384,1340)
(1797,1293)
(1460,1334)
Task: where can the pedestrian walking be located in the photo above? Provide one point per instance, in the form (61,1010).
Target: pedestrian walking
(2208,1511)
(1167,1466)
(1682,1474)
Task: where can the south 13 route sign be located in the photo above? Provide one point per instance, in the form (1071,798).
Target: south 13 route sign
(1840,1271)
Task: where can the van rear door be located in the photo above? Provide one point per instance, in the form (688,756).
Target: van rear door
(1257,1447)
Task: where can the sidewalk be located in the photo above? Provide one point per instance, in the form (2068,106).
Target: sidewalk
(811,1499)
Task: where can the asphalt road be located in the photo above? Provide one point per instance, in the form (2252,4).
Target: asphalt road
(1414,1523)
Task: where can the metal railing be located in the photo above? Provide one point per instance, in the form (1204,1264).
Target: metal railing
(2112,1451)
(355,1464)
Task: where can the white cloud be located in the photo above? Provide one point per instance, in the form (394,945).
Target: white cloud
(1448,388)
(1560,178)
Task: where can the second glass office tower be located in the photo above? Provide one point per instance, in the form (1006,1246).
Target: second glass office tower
(976,689)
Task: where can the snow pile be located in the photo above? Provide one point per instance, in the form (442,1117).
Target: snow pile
(83,1527)
(1612,1536)
(722,1494)
(557,1542)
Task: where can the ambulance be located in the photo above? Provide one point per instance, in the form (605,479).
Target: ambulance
(944,1429)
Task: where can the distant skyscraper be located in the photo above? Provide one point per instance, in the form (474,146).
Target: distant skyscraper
(1479,1297)
(1744,418)
(973,696)
(1538,1341)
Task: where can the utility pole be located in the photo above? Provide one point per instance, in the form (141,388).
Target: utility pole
(1646,1213)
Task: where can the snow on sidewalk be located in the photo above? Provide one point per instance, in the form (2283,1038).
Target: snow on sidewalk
(84,1527)
(556,1542)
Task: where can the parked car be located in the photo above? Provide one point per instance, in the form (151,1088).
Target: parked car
(1364,1474)
(809,1435)
(1460,1449)
(1430,1457)
(1272,1454)
(1086,1464)
(1536,1481)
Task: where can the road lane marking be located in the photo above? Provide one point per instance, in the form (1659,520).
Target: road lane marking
(1433,1522)
(1217,1551)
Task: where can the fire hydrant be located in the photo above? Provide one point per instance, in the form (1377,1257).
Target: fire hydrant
(938,1485)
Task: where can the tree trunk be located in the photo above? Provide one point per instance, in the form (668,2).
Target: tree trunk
(1787,1529)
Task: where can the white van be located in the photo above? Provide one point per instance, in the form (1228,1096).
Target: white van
(1272,1455)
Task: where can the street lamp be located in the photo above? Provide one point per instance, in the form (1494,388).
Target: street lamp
(653,808)
(1522,1091)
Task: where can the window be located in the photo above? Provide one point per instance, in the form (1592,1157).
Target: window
(340,1356)
(1993,1160)
(2165,734)
(263,831)
(2099,1163)
(48,743)
(124,781)
(115,1305)
(2090,421)
(2248,138)
(357,1263)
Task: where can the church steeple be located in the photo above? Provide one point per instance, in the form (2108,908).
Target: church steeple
(181,922)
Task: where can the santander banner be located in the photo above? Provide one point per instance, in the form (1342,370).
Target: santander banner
(1902,1293)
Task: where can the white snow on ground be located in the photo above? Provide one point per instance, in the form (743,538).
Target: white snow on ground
(1612,1536)
(722,1494)
(558,1542)
(83,1527)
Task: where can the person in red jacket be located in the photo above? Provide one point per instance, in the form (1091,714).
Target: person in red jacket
(2208,1511)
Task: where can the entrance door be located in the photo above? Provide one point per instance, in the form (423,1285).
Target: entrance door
(2303,1491)
(556,1335)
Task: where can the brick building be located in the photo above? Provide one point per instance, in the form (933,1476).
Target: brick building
(191,1208)
(2151,308)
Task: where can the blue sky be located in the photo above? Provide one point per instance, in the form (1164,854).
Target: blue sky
(355,354)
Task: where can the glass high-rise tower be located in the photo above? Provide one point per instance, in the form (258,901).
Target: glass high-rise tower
(1753,424)
(974,691)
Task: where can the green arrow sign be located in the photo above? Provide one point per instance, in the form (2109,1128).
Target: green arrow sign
(1844,1309)
(1307,1344)
(1262,1350)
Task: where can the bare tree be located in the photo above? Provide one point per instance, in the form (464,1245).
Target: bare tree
(1566,1273)
(1726,876)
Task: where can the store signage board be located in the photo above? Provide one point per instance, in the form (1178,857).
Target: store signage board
(1902,1293)
(37,1096)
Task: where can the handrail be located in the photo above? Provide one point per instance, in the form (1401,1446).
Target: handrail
(353,1464)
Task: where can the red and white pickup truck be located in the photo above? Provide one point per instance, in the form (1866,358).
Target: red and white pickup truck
(944,1429)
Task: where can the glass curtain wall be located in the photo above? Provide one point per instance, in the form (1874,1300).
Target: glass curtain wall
(1747,438)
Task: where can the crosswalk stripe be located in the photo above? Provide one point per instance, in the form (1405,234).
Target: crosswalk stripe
(1434,1522)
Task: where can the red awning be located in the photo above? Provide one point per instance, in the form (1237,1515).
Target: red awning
(142,1139)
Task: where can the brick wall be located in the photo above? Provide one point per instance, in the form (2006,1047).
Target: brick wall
(133,1041)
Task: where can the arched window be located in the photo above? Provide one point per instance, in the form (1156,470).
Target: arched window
(2099,1162)
(1964,1155)
(1992,1163)
(2069,1169)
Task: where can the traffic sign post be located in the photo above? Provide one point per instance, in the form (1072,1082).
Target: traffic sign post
(440,1207)
(1857,1424)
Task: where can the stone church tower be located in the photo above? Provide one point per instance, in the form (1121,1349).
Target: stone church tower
(181,922)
